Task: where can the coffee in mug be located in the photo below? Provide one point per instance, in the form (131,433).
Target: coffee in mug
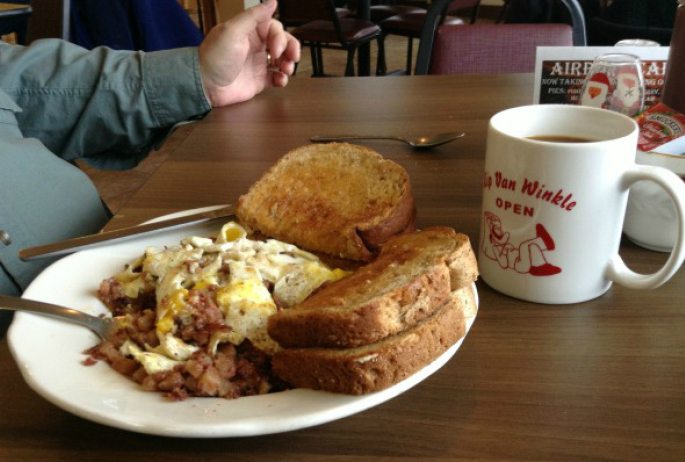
(560,139)
(553,207)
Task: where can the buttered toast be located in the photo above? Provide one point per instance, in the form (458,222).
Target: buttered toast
(413,276)
(378,365)
(339,199)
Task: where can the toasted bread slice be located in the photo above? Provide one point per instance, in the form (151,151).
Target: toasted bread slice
(339,199)
(382,364)
(413,276)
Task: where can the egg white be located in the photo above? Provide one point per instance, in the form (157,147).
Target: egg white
(242,270)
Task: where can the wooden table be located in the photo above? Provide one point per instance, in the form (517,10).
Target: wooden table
(598,381)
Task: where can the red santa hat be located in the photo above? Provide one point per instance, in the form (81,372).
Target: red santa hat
(601,78)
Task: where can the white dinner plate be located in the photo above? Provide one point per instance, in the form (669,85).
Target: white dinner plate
(50,356)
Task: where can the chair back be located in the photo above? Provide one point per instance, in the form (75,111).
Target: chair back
(437,11)
(552,11)
(461,4)
(577,21)
(457,5)
(298,12)
(606,33)
(434,16)
(493,48)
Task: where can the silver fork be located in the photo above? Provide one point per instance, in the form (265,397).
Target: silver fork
(103,327)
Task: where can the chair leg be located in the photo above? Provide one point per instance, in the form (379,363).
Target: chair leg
(349,68)
(21,33)
(410,52)
(319,59)
(315,64)
(503,12)
(381,66)
(474,13)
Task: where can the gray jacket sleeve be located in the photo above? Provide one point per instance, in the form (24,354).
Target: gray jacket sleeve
(43,199)
(59,102)
(106,106)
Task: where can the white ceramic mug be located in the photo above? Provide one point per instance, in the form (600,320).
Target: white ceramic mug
(553,208)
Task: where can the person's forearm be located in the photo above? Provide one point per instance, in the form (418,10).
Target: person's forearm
(103,104)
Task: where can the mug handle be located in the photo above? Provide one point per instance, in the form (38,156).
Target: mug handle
(617,270)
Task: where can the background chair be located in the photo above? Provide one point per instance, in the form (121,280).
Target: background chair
(493,48)
(384,9)
(320,26)
(633,19)
(14,19)
(428,34)
(411,25)
(577,22)
(574,12)
(206,15)
(606,33)
(293,15)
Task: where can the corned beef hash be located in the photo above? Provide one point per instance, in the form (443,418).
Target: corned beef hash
(194,315)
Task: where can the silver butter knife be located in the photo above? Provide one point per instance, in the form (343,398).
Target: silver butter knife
(97,240)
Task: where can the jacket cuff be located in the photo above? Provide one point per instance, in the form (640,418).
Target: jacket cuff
(173,85)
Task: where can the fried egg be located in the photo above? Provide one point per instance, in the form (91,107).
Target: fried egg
(240,270)
(173,347)
(297,285)
(247,304)
(152,362)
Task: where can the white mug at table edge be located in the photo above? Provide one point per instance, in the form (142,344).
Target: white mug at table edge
(555,190)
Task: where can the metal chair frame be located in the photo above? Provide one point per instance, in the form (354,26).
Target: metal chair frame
(438,7)
(437,11)
(316,48)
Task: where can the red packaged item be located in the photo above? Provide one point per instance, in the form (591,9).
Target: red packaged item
(659,125)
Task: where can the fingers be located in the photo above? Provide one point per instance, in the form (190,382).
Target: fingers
(262,12)
(286,62)
(254,18)
(283,47)
(283,66)
(279,79)
(276,39)
(293,49)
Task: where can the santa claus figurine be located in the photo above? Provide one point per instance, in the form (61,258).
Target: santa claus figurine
(628,96)
(595,90)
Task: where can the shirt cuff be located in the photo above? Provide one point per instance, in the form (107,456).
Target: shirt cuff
(173,85)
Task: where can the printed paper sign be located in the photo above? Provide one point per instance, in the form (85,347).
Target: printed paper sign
(560,71)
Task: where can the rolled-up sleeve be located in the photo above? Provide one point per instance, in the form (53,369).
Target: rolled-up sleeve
(173,85)
(108,107)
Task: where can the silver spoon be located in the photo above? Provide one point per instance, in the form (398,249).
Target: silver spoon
(421,142)
(103,327)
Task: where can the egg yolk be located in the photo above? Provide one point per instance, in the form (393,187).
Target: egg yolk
(175,305)
(233,234)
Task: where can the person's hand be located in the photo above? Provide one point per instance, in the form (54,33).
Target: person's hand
(234,56)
